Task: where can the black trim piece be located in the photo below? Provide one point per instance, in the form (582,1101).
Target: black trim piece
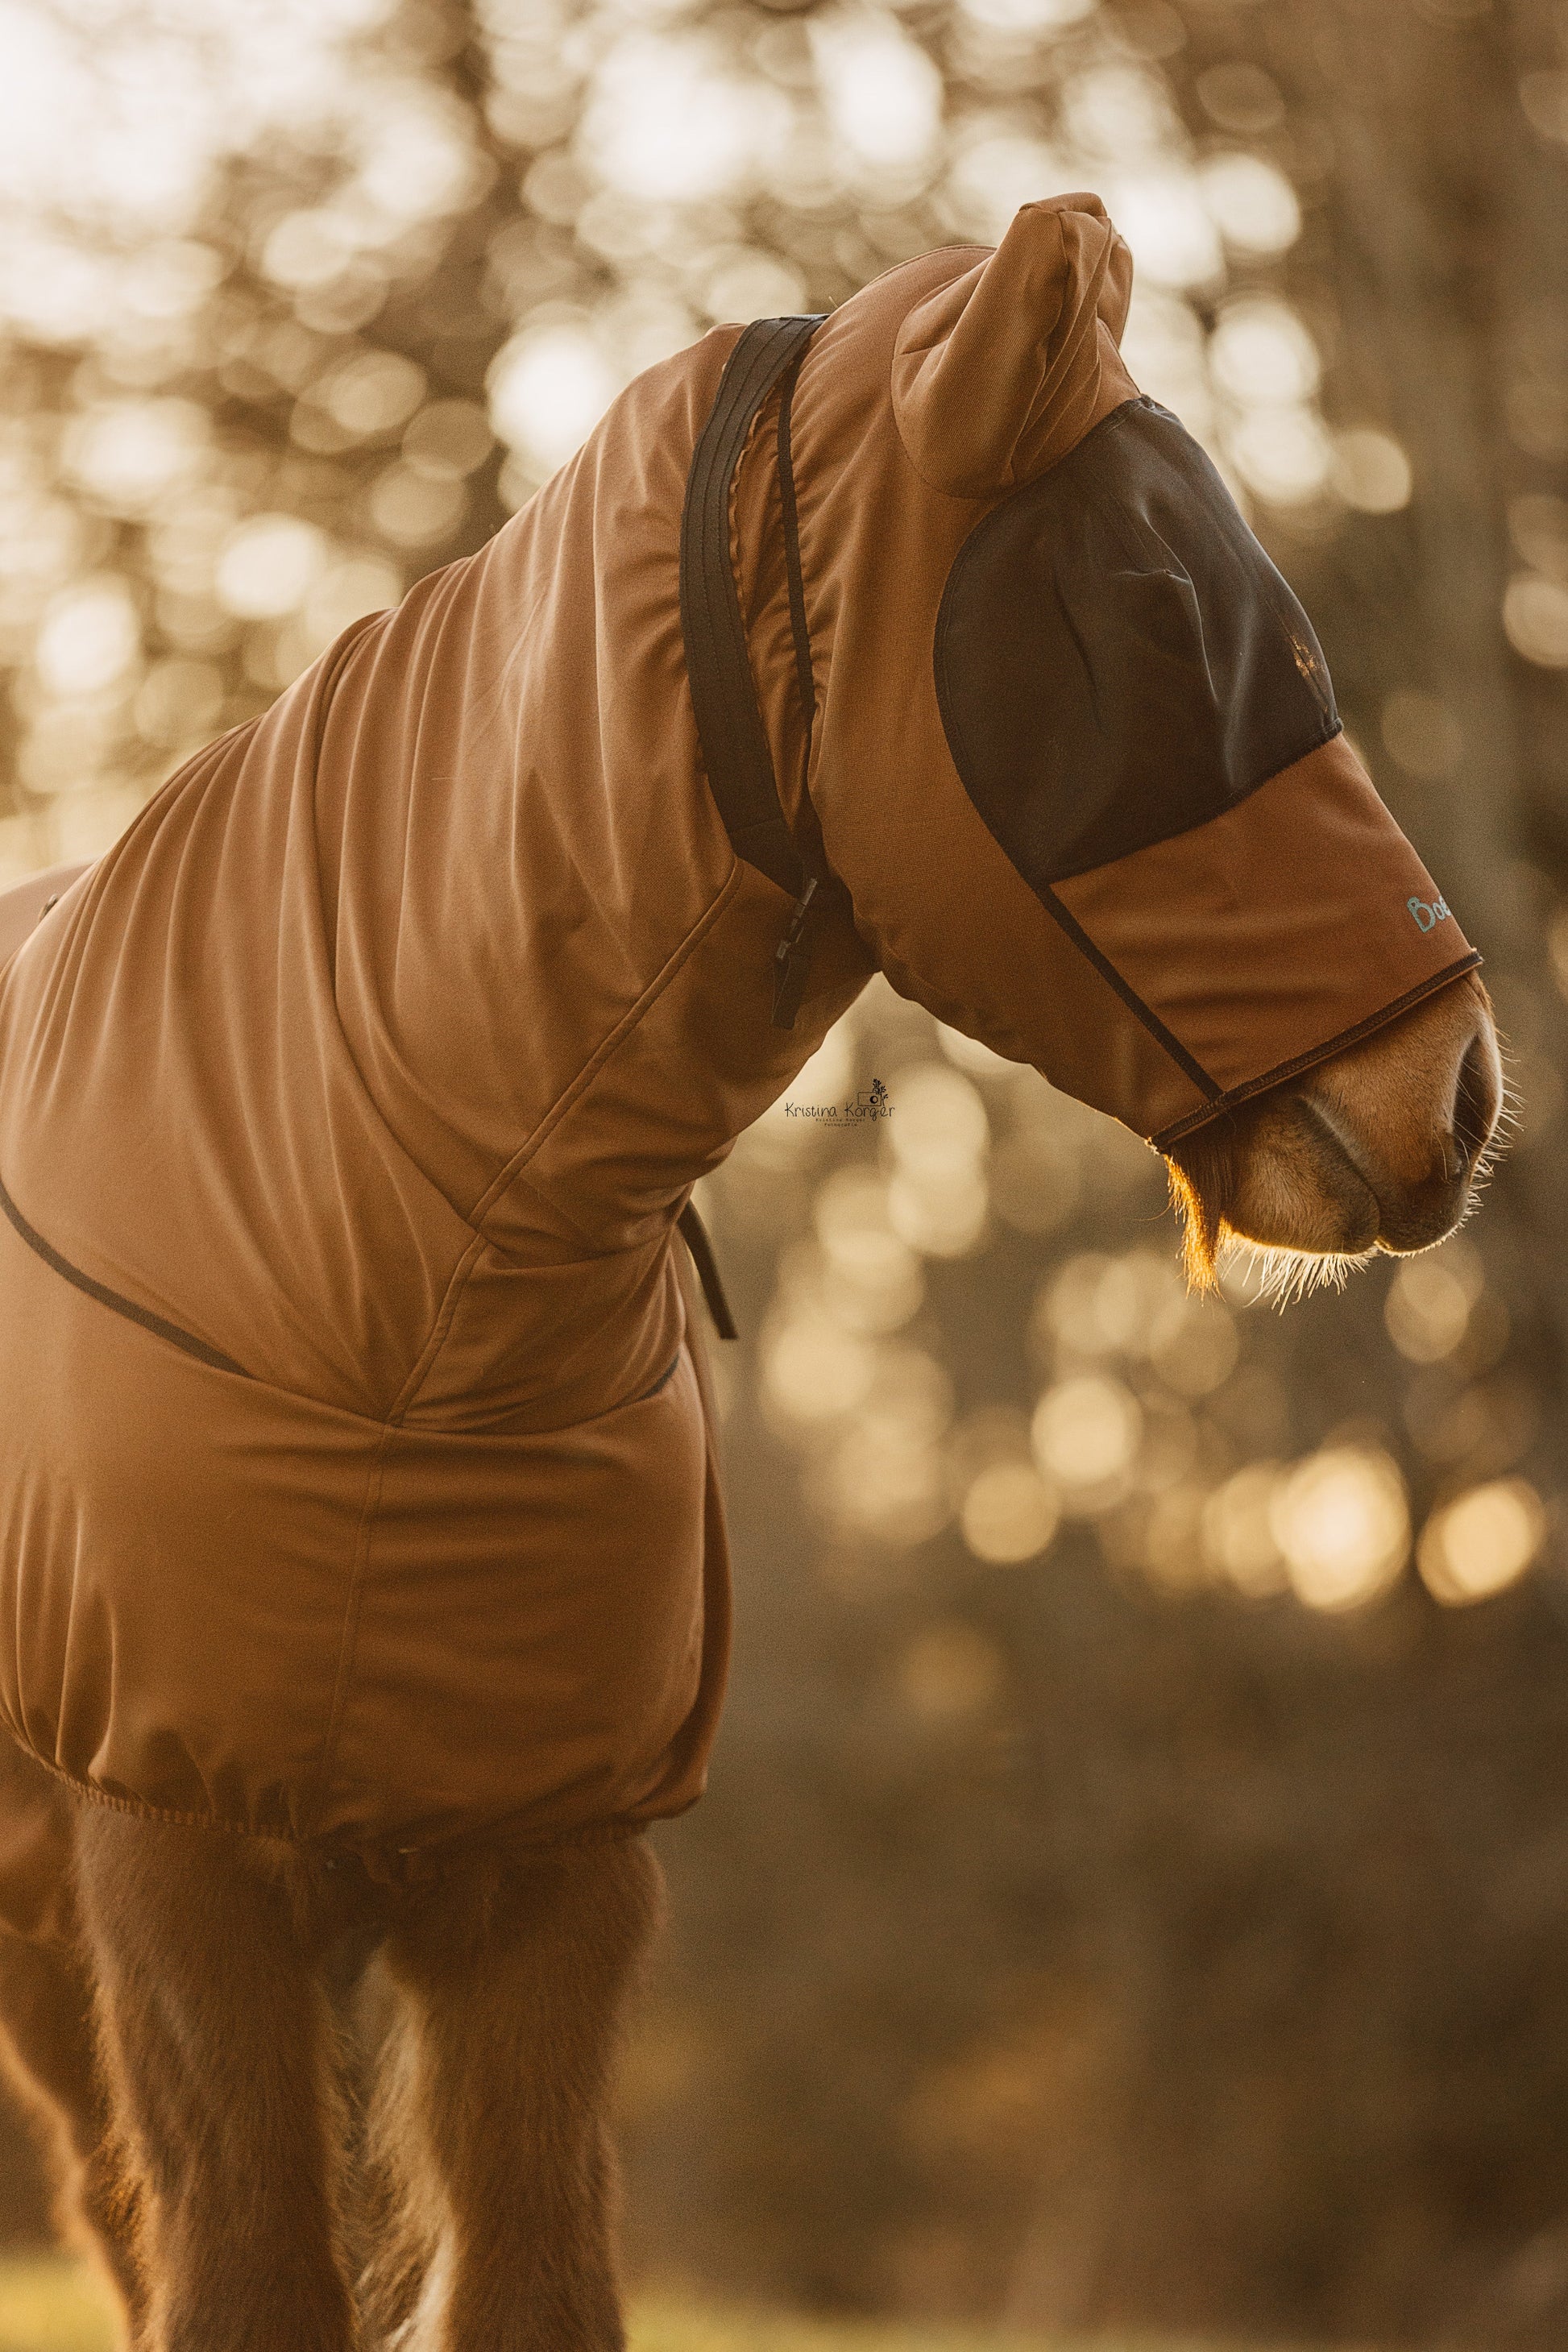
(663,1380)
(723,692)
(184,1340)
(1278,1077)
(694,1233)
(1129,995)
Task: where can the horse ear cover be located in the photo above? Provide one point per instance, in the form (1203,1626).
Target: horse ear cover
(997,375)
(1135,706)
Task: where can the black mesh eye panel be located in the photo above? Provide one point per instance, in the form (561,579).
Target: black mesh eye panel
(1117,659)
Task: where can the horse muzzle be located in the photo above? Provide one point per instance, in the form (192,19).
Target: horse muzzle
(1380,1147)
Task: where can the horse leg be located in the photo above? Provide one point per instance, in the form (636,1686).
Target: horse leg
(47,2041)
(221,2060)
(398,2205)
(492,2108)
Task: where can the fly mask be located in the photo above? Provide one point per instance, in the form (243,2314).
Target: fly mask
(1072,761)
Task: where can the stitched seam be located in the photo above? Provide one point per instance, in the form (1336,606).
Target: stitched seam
(712,627)
(135,1805)
(1114,516)
(800,630)
(814,855)
(349,1640)
(1181,831)
(463,1272)
(657,1388)
(1165,1038)
(706,612)
(616,1038)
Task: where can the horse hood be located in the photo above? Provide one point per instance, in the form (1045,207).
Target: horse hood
(358,1487)
(1076,760)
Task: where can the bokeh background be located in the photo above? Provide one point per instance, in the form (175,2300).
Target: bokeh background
(1134,1887)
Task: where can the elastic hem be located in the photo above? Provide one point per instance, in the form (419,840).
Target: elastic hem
(469,1844)
(137,1806)
(1277,1077)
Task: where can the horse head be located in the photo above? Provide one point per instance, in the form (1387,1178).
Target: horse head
(1073,754)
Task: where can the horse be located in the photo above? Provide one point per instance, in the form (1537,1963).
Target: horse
(363,1566)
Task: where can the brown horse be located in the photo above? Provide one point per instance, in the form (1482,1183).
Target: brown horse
(293,2112)
(362,1588)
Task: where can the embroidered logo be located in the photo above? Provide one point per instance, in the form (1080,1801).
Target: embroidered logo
(1426,916)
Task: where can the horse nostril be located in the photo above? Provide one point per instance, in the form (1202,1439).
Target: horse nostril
(1476,1102)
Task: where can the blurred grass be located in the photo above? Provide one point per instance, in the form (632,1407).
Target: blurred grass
(51,2306)
(54,2305)
(663,2327)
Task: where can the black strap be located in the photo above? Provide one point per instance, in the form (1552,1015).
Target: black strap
(729,725)
(806,678)
(694,1233)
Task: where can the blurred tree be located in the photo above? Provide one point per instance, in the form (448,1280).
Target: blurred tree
(1132,1891)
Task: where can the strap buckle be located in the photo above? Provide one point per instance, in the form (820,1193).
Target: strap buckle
(791,957)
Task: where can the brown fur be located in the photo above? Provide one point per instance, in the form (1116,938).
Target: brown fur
(50,2051)
(323,2115)
(1203,1182)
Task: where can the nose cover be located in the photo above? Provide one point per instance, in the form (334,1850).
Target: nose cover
(1139,712)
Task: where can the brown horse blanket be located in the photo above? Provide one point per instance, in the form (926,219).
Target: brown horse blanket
(357,1487)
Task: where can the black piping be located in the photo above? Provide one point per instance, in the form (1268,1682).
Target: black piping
(729,721)
(1276,1077)
(185,1340)
(1129,994)
(663,1380)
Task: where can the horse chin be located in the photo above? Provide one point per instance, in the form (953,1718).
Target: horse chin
(1300,1188)
(1280,1180)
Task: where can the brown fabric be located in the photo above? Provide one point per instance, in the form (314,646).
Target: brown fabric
(23,907)
(1266,937)
(941,906)
(1001,371)
(935,898)
(381,1054)
(361,1559)
(36,1824)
